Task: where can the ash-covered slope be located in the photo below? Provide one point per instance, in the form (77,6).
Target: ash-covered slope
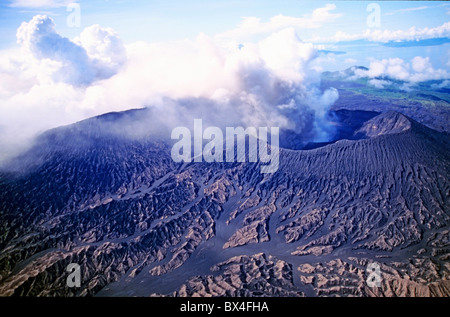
(377,193)
(123,211)
(388,123)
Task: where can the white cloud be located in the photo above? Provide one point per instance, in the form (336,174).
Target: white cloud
(444,84)
(71,62)
(378,83)
(421,64)
(253,26)
(408,86)
(104,48)
(418,70)
(406,10)
(350,61)
(384,36)
(52,81)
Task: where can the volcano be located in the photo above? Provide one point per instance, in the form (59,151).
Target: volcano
(131,217)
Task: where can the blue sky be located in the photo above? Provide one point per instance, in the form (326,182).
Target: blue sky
(177,19)
(151,21)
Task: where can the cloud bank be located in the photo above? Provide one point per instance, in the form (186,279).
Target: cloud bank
(97,53)
(53,80)
(418,70)
(250,26)
(385,36)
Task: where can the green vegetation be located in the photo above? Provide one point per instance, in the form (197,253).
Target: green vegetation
(426,102)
